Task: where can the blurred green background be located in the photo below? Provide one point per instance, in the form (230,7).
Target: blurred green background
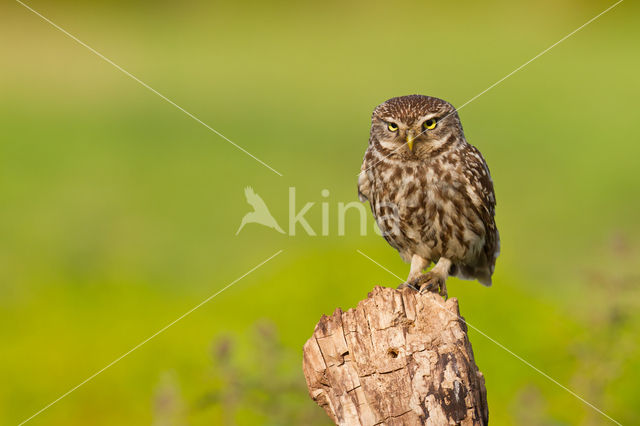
(118,212)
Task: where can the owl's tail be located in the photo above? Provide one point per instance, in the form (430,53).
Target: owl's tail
(485,279)
(482,274)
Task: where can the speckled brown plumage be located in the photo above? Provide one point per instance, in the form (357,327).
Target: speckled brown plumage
(430,191)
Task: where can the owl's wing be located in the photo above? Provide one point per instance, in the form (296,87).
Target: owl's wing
(477,172)
(364,185)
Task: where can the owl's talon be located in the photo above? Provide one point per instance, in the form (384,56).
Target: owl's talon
(409,284)
(431,282)
(429,287)
(443,290)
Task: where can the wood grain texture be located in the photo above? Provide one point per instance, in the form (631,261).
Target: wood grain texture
(399,358)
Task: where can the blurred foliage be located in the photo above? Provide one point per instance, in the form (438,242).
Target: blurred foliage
(118,211)
(265,386)
(250,381)
(606,350)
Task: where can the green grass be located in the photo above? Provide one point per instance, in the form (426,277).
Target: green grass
(118,212)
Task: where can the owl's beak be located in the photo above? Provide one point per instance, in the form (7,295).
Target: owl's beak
(410,138)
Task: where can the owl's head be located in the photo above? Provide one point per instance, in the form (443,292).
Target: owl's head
(415,125)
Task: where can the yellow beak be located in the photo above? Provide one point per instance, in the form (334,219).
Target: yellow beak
(410,139)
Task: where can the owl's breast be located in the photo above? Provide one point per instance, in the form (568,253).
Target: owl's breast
(423,209)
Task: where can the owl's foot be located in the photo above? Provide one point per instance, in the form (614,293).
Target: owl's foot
(418,264)
(431,282)
(409,284)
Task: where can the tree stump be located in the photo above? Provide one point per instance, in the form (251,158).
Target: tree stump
(399,358)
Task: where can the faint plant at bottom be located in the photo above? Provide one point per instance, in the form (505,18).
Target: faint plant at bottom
(603,354)
(254,379)
(168,406)
(261,378)
(613,295)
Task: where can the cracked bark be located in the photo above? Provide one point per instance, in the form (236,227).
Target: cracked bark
(399,358)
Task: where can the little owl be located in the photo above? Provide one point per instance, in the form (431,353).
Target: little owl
(430,192)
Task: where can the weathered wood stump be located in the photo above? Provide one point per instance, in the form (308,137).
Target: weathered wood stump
(399,358)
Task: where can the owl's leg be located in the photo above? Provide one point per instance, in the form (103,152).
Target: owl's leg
(435,279)
(418,264)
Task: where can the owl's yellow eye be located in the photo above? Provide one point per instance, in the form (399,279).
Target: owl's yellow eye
(430,124)
(393,127)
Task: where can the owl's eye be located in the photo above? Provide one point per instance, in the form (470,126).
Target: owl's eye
(430,124)
(392,127)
